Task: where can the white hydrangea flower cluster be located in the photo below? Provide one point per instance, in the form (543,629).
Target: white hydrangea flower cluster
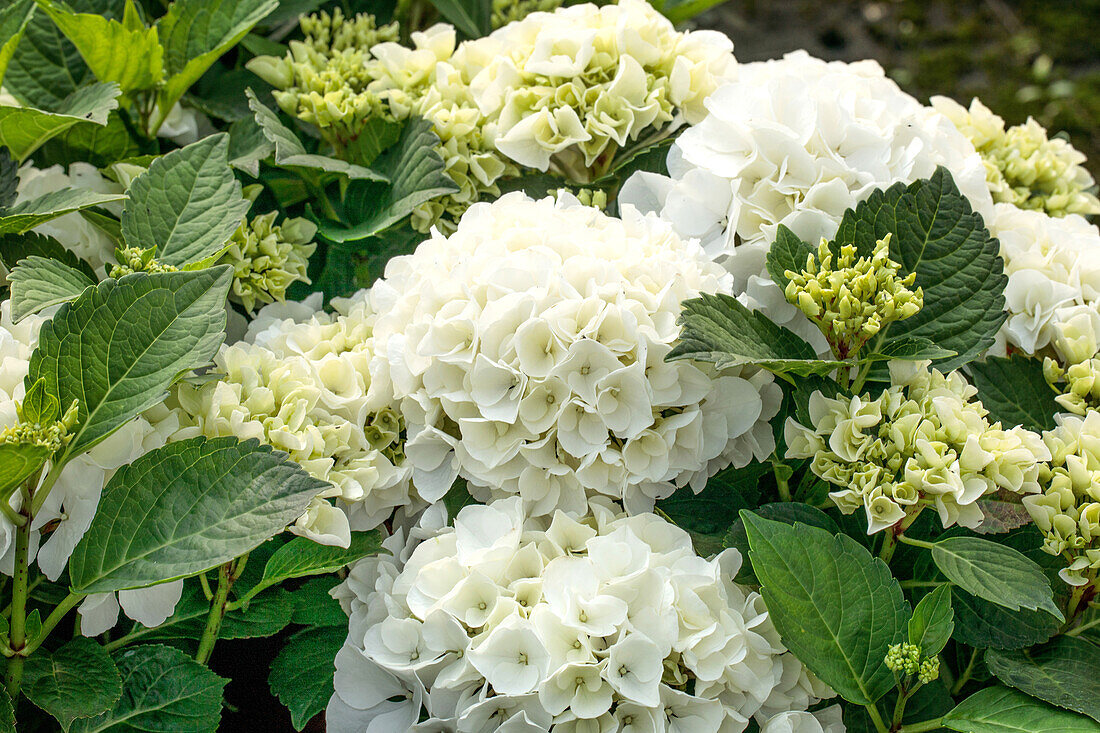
(527,352)
(299,381)
(1053,268)
(503,622)
(565,90)
(1067,511)
(72,230)
(797,141)
(71,504)
(925,441)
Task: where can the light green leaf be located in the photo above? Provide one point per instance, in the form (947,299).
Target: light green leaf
(24,129)
(933,622)
(290,153)
(18,463)
(1015,391)
(1065,672)
(76,681)
(937,235)
(27,215)
(302,556)
(163,689)
(185,508)
(416,172)
(37,283)
(173,323)
(15,247)
(13,20)
(718,329)
(835,606)
(248,146)
(909,348)
(1001,710)
(187,204)
(301,676)
(472,17)
(39,406)
(115,52)
(196,33)
(996,573)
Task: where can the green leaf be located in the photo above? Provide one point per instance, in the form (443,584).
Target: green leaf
(163,689)
(15,247)
(937,235)
(714,509)
(26,215)
(37,283)
(911,348)
(24,129)
(1001,710)
(248,146)
(981,624)
(18,462)
(76,681)
(196,33)
(99,145)
(39,406)
(1065,672)
(788,252)
(301,676)
(472,17)
(1015,391)
(996,573)
(290,153)
(9,180)
(417,173)
(933,622)
(302,557)
(13,20)
(187,204)
(115,52)
(118,347)
(1001,516)
(718,329)
(788,512)
(7,713)
(313,606)
(835,606)
(185,508)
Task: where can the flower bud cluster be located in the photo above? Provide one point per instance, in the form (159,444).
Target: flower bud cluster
(52,435)
(268,257)
(1067,511)
(135,259)
(905,659)
(527,351)
(1023,166)
(299,382)
(506,622)
(925,441)
(853,299)
(510,11)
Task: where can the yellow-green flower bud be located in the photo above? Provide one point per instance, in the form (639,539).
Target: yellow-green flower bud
(903,658)
(929,670)
(268,257)
(509,11)
(134,259)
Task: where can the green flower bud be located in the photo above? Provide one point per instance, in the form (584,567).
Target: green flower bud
(135,259)
(929,670)
(268,257)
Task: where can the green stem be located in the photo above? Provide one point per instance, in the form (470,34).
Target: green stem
(899,709)
(53,620)
(206,587)
(861,377)
(40,494)
(916,543)
(780,482)
(217,613)
(876,718)
(965,676)
(922,583)
(18,623)
(13,516)
(1083,627)
(922,727)
(889,544)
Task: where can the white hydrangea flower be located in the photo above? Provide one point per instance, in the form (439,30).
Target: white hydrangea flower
(828,720)
(1052,263)
(299,382)
(527,351)
(797,141)
(68,510)
(508,622)
(184,125)
(72,230)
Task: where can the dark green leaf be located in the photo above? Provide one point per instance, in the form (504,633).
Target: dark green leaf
(37,283)
(788,252)
(933,622)
(76,681)
(187,507)
(314,606)
(909,348)
(835,606)
(187,204)
(1001,710)
(714,509)
(174,322)
(983,624)
(301,676)
(163,689)
(7,713)
(937,235)
(718,329)
(996,573)
(28,214)
(99,145)
(1065,672)
(1015,391)
(14,247)
(302,557)
(472,17)
(9,179)
(784,511)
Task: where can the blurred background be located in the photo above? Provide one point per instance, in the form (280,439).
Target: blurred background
(1038,58)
